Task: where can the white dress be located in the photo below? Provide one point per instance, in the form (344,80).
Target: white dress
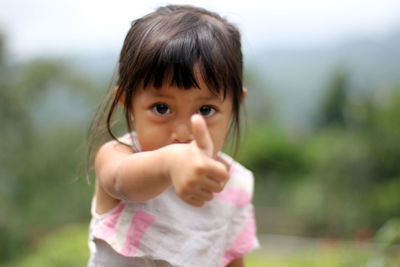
(165,231)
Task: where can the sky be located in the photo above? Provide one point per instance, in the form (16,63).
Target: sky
(58,27)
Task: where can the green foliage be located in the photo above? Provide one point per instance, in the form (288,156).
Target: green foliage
(42,181)
(331,194)
(333,107)
(338,180)
(63,248)
(339,255)
(389,233)
(384,134)
(269,150)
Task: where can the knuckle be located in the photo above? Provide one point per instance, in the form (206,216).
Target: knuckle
(199,168)
(180,193)
(221,186)
(200,204)
(194,203)
(191,183)
(183,191)
(225,177)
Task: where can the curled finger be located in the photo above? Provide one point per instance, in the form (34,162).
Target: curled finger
(194,201)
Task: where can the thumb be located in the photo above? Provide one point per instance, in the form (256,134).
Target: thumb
(201,134)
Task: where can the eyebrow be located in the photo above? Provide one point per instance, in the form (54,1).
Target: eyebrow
(158,94)
(209,98)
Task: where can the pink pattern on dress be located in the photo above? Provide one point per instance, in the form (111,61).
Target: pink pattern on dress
(243,243)
(109,225)
(139,224)
(235,196)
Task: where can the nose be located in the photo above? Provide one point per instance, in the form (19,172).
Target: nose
(182,132)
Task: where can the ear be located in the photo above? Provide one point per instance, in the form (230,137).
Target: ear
(121,100)
(244,94)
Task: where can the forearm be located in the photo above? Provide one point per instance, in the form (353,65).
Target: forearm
(139,177)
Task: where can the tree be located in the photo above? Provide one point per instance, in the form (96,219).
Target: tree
(333,108)
(42,147)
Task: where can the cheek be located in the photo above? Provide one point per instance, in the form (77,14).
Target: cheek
(218,135)
(150,141)
(150,137)
(218,143)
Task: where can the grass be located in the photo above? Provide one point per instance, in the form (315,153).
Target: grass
(65,248)
(68,247)
(338,257)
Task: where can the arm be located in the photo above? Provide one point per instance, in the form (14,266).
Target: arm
(130,176)
(138,177)
(236,263)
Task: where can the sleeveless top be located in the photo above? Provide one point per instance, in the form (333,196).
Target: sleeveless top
(166,228)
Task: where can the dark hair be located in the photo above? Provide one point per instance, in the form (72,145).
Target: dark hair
(178,44)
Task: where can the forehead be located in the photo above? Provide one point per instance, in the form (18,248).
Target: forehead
(191,94)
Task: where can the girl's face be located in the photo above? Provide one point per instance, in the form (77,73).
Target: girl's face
(162,116)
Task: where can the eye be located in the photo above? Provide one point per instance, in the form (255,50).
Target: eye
(207,111)
(161,109)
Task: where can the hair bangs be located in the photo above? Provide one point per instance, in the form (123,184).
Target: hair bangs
(172,65)
(187,60)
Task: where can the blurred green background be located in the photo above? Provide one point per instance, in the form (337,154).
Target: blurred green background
(322,138)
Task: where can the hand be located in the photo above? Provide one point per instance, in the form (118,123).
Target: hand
(193,171)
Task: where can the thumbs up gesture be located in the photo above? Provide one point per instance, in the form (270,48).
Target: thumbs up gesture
(194,172)
(201,135)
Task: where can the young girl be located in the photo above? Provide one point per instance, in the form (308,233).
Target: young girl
(165,195)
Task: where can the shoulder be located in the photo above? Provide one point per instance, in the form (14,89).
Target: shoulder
(126,144)
(235,168)
(240,177)
(111,148)
(131,140)
(113,151)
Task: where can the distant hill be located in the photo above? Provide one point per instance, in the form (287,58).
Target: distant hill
(298,78)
